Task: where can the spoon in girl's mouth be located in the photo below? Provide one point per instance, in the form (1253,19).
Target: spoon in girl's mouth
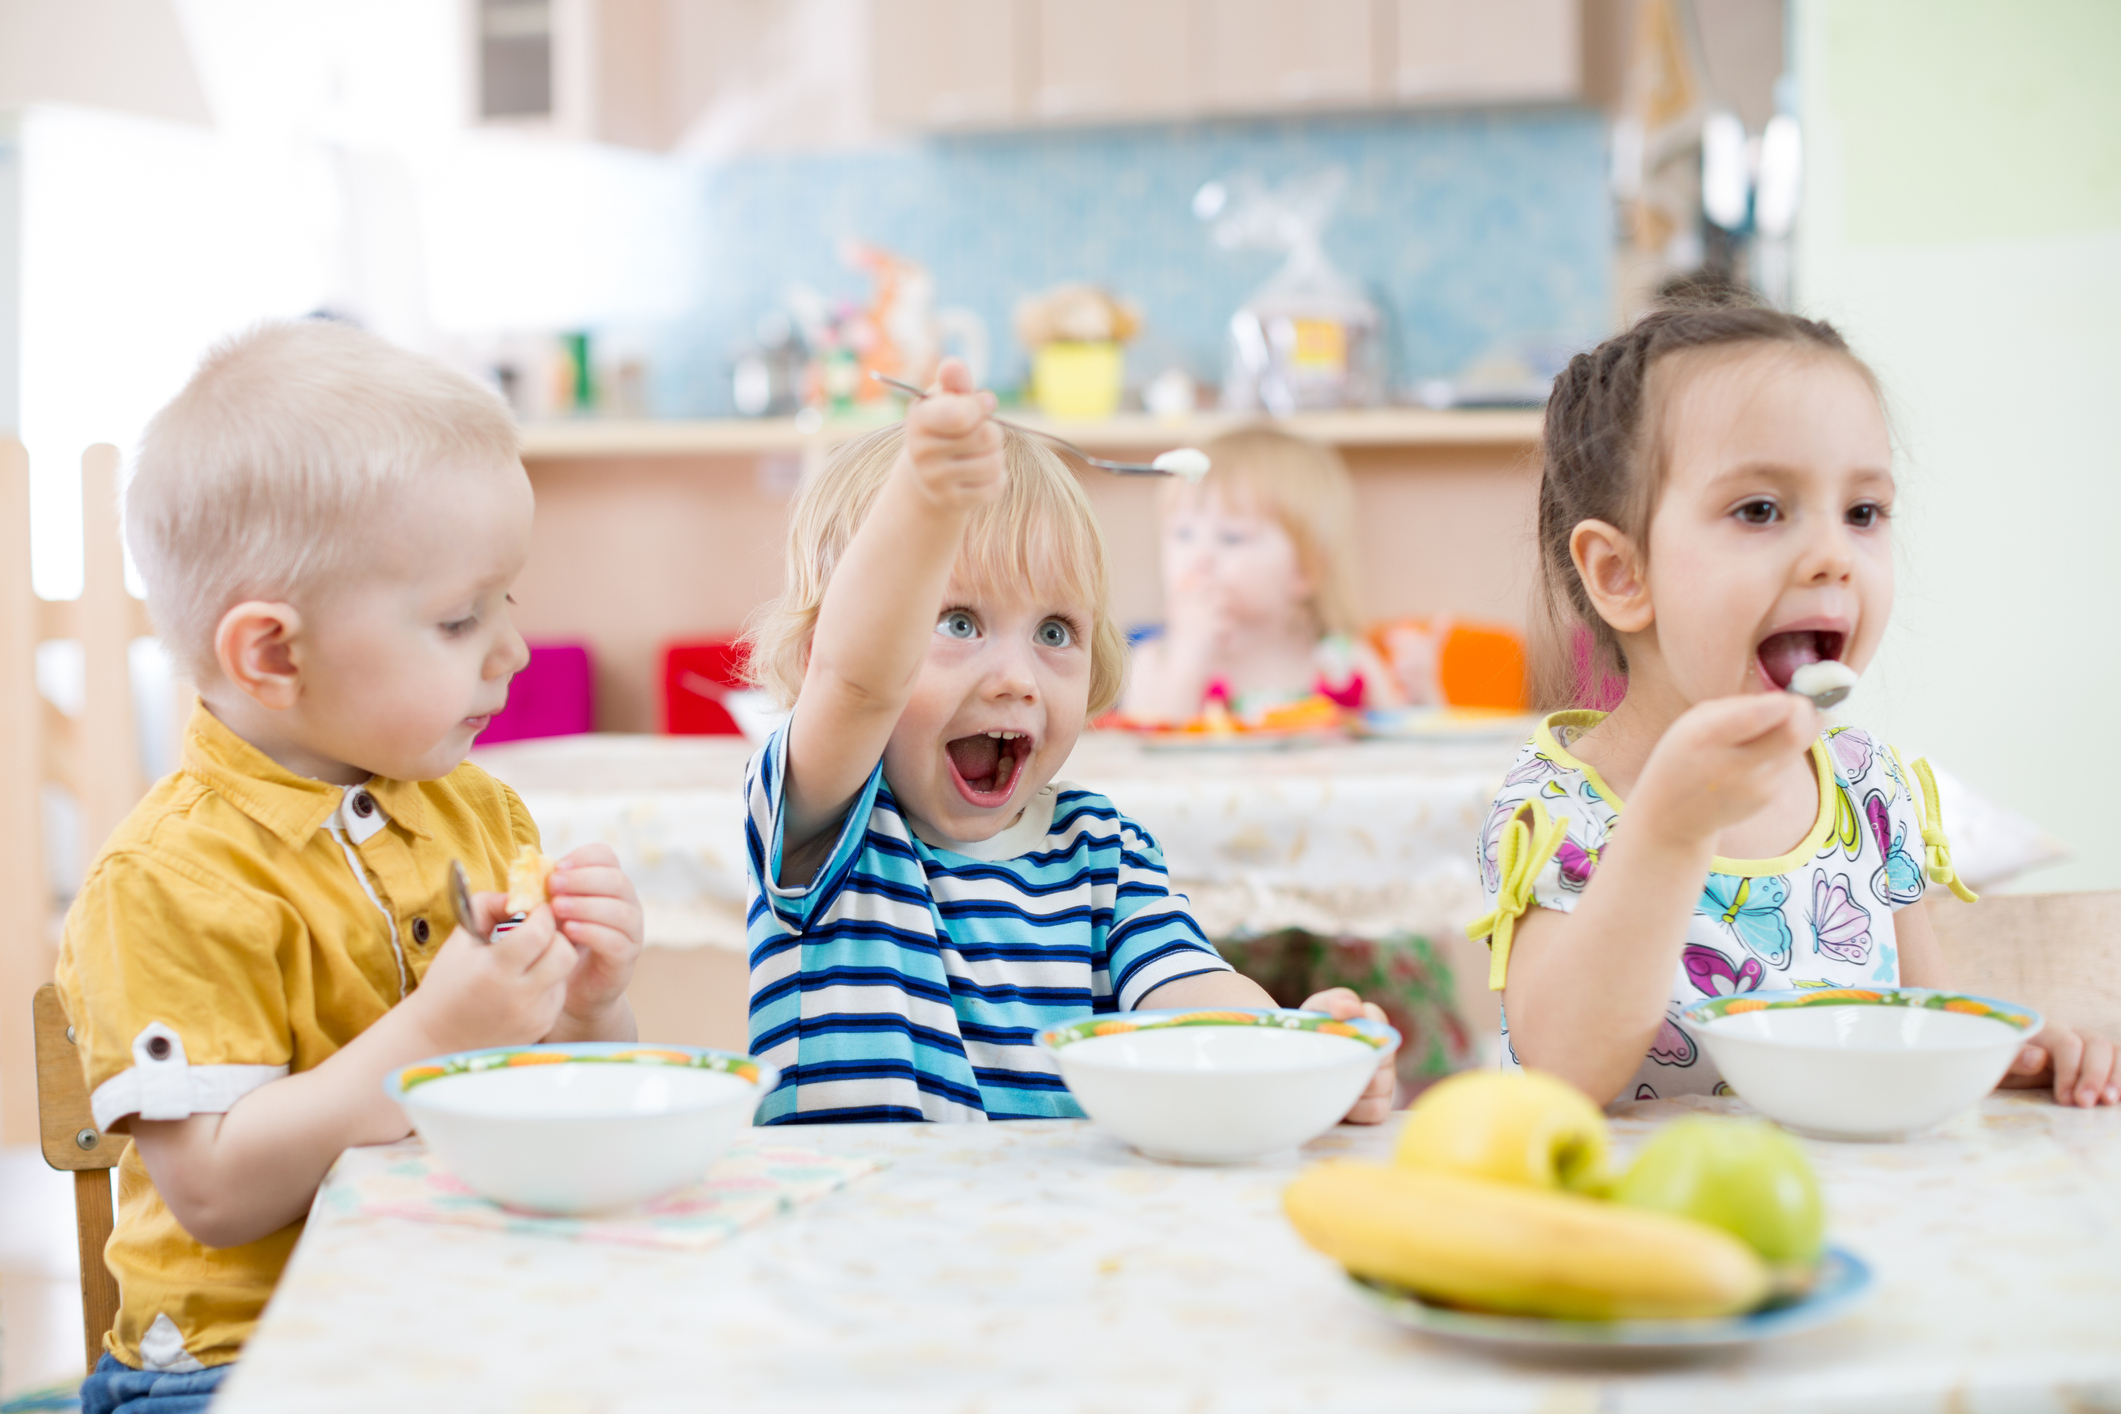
(1826,682)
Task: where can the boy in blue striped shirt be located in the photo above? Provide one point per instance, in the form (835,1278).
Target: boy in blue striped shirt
(924,897)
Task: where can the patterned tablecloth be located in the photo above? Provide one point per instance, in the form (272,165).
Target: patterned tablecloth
(1042,1267)
(1370,838)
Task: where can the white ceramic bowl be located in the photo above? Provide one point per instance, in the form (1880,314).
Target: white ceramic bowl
(592,1127)
(1861,1063)
(1217,1087)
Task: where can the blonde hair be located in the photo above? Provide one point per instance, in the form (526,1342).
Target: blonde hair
(1306,489)
(256,480)
(1042,531)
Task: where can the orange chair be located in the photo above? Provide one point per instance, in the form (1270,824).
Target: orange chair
(1462,664)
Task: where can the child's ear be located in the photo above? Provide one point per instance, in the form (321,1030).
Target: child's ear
(1611,569)
(254,644)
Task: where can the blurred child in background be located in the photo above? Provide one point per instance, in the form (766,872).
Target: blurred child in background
(1259,567)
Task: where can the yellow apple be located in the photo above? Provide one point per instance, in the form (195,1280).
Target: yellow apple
(1526,1128)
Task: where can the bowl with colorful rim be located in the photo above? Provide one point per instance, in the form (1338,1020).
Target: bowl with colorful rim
(1217,1085)
(1861,1062)
(584,1127)
(1843,1283)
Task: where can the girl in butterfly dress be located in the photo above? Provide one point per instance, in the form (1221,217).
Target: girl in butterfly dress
(1715,511)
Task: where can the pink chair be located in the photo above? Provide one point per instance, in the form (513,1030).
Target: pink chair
(555,695)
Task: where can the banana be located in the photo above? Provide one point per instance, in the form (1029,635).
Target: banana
(1527,1251)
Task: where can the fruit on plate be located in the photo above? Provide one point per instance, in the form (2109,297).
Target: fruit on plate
(1521,1250)
(1528,1128)
(1742,1175)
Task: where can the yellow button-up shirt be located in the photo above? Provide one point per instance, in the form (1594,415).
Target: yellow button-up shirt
(243,923)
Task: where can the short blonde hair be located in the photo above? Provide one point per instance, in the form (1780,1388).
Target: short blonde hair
(256,480)
(1042,531)
(1305,487)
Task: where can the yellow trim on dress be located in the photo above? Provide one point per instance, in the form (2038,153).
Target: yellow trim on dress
(1814,841)
(1519,856)
(1935,846)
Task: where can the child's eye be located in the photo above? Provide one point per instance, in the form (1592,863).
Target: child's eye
(1867,514)
(1054,634)
(457,628)
(1759,512)
(957,624)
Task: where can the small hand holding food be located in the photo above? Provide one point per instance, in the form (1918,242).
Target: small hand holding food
(505,993)
(1374,1106)
(598,912)
(953,443)
(2085,1070)
(1717,764)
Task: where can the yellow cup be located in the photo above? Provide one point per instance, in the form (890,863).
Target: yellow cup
(1077,382)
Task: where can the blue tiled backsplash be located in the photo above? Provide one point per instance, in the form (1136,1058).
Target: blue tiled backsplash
(1478,230)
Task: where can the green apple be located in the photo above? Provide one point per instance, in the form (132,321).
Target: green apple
(1742,1175)
(1527,1128)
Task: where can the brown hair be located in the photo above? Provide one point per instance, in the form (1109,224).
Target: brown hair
(1304,487)
(1603,461)
(1042,532)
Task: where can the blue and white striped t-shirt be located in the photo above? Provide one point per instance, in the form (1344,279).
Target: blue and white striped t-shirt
(906,982)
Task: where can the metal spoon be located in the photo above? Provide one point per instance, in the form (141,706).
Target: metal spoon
(1118,468)
(1825,682)
(460,896)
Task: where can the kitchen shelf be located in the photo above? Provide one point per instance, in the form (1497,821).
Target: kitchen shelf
(735,437)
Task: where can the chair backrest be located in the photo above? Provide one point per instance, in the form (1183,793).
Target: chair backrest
(67,1126)
(2057,953)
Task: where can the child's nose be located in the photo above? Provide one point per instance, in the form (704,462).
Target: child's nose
(1829,556)
(510,654)
(1011,674)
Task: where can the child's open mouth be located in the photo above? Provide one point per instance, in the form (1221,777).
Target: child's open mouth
(1782,654)
(986,765)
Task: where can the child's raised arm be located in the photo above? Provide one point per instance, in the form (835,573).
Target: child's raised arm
(1586,989)
(879,611)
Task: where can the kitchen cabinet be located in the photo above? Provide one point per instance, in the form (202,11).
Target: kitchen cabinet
(1501,51)
(1115,60)
(1261,55)
(951,63)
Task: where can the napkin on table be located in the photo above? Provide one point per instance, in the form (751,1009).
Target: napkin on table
(756,1179)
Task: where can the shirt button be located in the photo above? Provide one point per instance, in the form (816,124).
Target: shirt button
(158,1047)
(419,931)
(364,804)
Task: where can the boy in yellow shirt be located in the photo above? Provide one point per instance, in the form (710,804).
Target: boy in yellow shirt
(328,528)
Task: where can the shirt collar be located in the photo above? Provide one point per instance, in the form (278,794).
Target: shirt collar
(292,807)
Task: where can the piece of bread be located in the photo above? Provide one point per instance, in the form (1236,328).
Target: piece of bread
(528,874)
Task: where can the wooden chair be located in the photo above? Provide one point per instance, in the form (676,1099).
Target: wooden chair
(2057,953)
(73,1143)
(93,756)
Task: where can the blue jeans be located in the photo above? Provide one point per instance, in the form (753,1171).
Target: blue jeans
(115,1387)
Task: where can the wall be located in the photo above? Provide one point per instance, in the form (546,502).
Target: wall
(632,554)
(1963,224)
(1479,229)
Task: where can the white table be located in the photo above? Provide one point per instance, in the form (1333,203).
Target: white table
(1041,1266)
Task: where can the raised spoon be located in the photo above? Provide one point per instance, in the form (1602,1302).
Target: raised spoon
(1186,462)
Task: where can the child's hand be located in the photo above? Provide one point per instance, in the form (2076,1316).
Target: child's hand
(504,993)
(1716,765)
(600,914)
(2083,1069)
(1375,1104)
(953,447)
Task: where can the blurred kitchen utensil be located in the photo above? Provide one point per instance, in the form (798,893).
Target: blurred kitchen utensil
(460,896)
(1118,468)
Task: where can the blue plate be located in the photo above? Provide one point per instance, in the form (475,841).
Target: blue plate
(1844,1283)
